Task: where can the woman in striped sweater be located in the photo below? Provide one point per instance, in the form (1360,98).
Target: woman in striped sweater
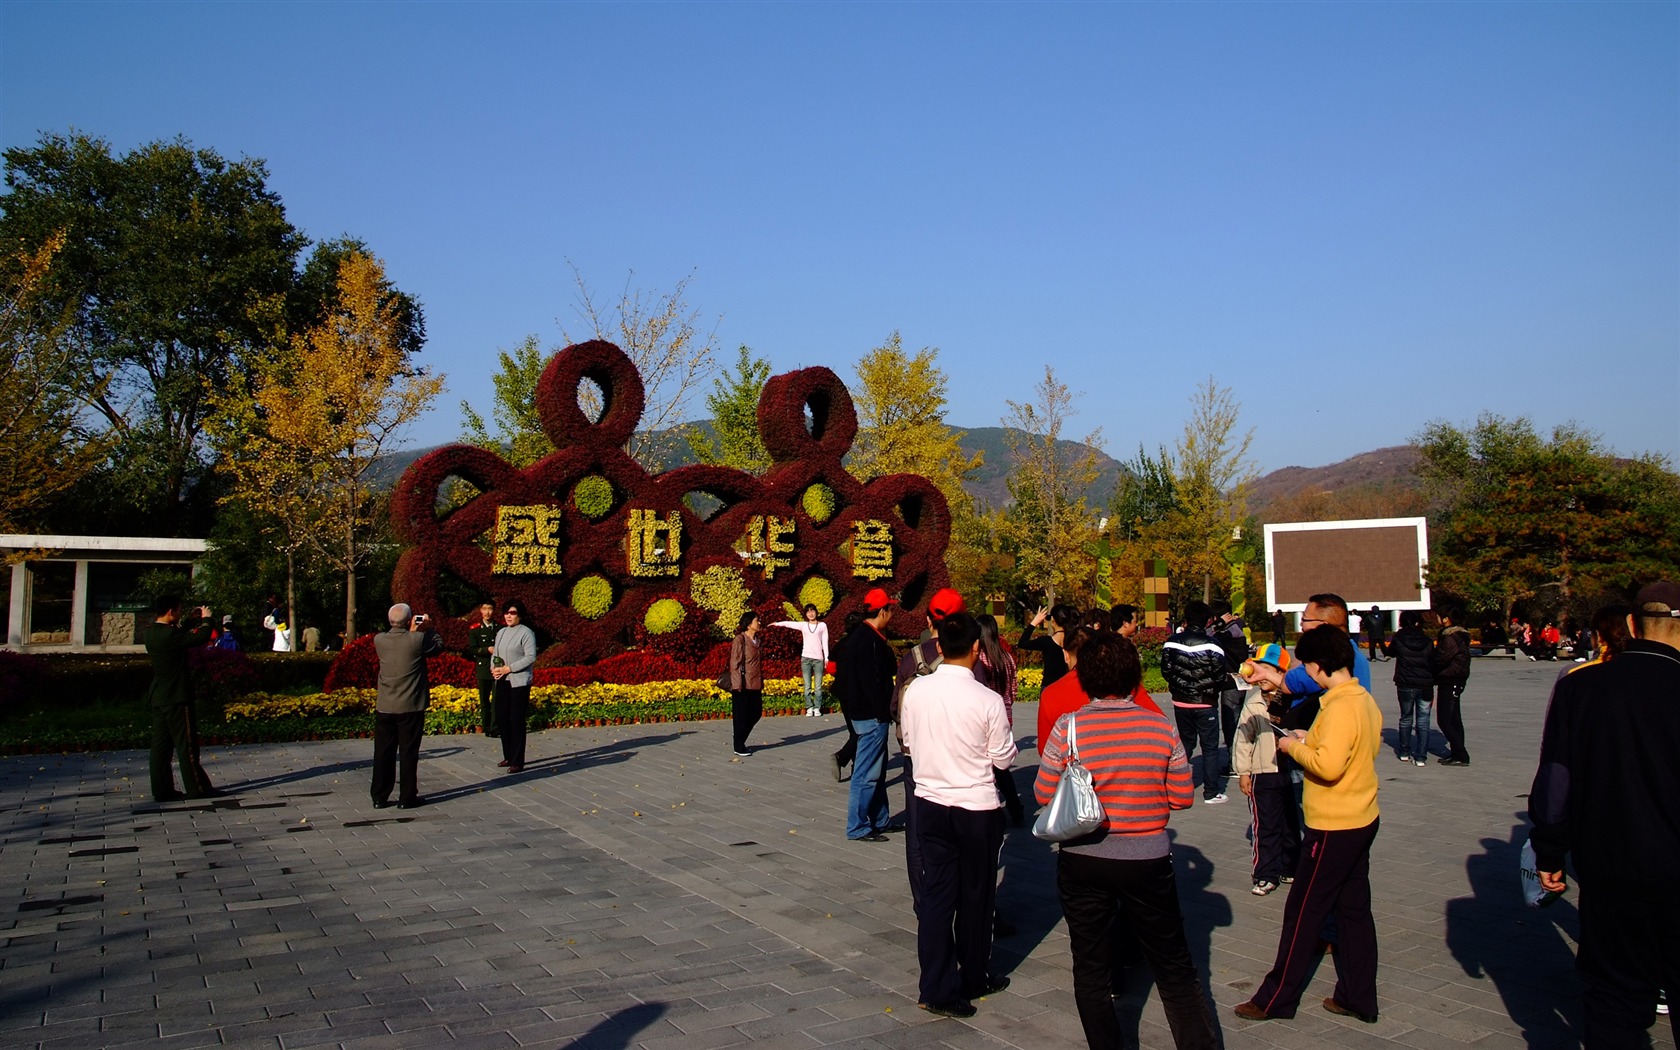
(1141,775)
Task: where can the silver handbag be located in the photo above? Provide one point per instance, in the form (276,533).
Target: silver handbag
(1075,811)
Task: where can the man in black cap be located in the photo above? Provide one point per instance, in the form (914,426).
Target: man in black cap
(1605,794)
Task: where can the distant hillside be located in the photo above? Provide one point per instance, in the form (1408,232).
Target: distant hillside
(1390,469)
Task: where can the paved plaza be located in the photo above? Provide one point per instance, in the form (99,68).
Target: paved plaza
(637,886)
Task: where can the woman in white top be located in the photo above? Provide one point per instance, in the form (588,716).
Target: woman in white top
(813,658)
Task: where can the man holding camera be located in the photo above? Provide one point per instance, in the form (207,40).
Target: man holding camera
(399,719)
(170,696)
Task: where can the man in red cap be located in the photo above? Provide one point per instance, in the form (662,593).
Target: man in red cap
(1604,795)
(921,660)
(864,663)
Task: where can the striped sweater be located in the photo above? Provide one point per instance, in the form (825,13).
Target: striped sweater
(1140,771)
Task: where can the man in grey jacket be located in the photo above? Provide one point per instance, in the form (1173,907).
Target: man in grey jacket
(399,718)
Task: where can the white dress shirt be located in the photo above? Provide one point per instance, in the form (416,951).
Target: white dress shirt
(956,732)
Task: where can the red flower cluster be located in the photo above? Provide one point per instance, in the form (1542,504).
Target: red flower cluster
(807,421)
(357,667)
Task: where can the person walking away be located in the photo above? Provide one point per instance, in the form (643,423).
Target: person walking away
(1376,630)
(311,638)
(1197,671)
(997,669)
(481,647)
(404,694)
(1338,756)
(1063,618)
(1280,626)
(1228,631)
(1604,796)
(746,680)
(1274,820)
(512,655)
(1414,679)
(227,638)
(813,657)
(170,697)
(958,733)
(1451,669)
(1119,879)
(867,667)
(921,660)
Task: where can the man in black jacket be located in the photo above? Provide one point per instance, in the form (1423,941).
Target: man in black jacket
(1452,671)
(1197,671)
(866,664)
(1605,793)
(170,697)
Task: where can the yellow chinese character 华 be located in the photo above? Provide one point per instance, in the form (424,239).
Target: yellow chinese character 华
(872,550)
(527,541)
(653,546)
(766,544)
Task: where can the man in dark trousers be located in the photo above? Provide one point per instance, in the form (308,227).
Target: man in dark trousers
(170,696)
(481,639)
(865,662)
(1376,630)
(1451,664)
(921,659)
(1227,631)
(1605,795)
(1197,671)
(399,719)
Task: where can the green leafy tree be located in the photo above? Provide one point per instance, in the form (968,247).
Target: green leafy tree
(1523,514)
(1145,495)
(1211,475)
(733,402)
(169,254)
(1049,523)
(519,435)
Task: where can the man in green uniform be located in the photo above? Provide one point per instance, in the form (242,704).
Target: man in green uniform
(480,641)
(170,696)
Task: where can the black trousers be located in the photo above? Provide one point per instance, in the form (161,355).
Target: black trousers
(1230,706)
(1104,899)
(1449,718)
(1010,793)
(959,851)
(1276,825)
(1333,879)
(912,844)
(1201,725)
(1630,947)
(513,712)
(487,704)
(747,706)
(396,747)
(175,734)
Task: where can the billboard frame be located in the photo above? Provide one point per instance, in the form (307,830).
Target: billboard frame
(1421,525)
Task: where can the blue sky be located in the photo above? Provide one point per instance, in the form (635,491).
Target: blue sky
(1361,217)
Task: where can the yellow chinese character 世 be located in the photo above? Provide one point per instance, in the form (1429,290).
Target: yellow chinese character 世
(527,541)
(872,550)
(653,546)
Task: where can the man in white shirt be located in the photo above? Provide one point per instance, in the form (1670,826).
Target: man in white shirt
(957,732)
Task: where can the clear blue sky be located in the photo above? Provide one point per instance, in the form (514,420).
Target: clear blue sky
(1360,216)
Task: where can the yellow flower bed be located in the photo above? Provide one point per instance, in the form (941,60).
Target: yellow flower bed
(1030,678)
(450,699)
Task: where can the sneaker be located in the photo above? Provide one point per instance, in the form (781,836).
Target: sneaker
(1403,758)
(742,754)
(956,1008)
(1662,1002)
(1263,887)
(1216,800)
(1287,879)
(1422,762)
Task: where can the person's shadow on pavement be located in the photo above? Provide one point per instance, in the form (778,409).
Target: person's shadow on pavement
(1204,911)
(1521,949)
(620,1030)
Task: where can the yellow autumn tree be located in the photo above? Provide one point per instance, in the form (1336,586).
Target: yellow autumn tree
(901,401)
(1050,524)
(300,436)
(44,447)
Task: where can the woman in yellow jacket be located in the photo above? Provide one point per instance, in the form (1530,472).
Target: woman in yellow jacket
(1333,877)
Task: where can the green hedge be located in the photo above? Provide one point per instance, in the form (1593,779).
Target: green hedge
(76,678)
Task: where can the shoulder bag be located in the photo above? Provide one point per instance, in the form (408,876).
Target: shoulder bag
(1075,811)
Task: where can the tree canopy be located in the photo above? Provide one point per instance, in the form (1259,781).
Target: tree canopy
(901,403)
(733,402)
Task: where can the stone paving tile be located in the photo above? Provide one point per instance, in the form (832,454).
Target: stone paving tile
(638,887)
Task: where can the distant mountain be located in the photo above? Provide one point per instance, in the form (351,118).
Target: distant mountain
(1390,468)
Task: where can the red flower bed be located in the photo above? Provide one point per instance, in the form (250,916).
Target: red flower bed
(357,667)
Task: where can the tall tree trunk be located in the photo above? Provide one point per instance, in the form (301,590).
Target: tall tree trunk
(291,593)
(349,582)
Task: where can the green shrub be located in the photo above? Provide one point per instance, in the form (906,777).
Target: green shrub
(593,496)
(663,616)
(592,597)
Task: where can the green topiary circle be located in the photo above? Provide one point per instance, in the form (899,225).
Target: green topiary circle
(819,592)
(663,616)
(593,496)
(592,597)
(819,502)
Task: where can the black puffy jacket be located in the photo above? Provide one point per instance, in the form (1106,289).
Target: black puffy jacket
(1452,656)
(1195,667)
(1412,651)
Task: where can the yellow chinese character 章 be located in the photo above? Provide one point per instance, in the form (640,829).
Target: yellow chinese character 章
(527,541)
(872,551)
(653,546)
(766,547)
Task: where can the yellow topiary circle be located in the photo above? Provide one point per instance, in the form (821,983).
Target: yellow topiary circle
(819,502)
(592,597)
(593,496)
(819,592)
(663,616)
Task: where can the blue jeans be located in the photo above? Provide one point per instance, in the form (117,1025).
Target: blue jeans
(811,673)
(866,806)
(1414,709)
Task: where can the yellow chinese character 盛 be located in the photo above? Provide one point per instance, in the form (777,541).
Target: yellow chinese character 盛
(872,550)
(527,541)
(653,546)
(766,545)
